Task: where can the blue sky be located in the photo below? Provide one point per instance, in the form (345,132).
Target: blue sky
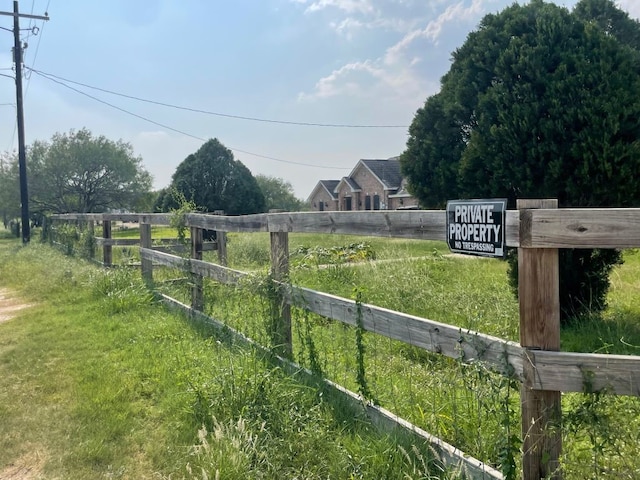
(356,62)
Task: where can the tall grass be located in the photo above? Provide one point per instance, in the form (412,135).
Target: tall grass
(450,398)
(105,383)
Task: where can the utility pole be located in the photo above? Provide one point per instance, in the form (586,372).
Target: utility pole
(22,156)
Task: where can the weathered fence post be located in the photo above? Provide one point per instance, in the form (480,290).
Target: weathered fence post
(280,273)
(146,265)
(48,229)
(221,242)
(538,292)
(91,232)
(197,296)
(107,256)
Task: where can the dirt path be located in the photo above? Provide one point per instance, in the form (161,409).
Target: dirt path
(29,466)
(10,303)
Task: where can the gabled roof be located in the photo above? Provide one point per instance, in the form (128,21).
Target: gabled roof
(353,186)
(386,171)
(328,185)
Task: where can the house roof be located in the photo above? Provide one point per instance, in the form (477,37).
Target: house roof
(328,185)
(387,171)
(350,182)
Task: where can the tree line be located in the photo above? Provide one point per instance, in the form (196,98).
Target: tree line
(80,172)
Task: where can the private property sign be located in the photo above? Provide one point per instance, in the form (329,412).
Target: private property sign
(476,227)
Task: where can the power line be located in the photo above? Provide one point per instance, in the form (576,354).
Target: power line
(35,55)
(162,125)
(218,114)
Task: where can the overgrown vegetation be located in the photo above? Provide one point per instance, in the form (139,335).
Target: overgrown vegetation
(447,397)
(104,382)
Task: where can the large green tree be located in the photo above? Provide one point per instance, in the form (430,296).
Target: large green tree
(214,180)
(78,172)
(278,194)
(538,102)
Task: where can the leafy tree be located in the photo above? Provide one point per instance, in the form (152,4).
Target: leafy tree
(163,201)
(539,102)
(278,194)
(214,180)
(611,20)
(9,189)
(77,172)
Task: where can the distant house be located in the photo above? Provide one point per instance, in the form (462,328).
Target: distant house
(371,185)
(323,197)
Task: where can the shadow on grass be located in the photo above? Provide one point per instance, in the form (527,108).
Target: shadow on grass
(617,331)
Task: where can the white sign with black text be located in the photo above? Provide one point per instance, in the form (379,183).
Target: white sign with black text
(476,227)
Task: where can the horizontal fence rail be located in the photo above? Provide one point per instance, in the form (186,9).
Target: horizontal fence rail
(544,228)
(501,355)
(561,371)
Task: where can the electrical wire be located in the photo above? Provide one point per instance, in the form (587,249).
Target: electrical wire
(167,127)
(35,55)
(218,114)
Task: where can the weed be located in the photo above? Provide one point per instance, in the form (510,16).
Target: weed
(305,256)
(121,290)
(230,450)
(361,377)
(178,215)
(307,344)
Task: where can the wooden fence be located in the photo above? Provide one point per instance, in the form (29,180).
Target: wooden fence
(537,228)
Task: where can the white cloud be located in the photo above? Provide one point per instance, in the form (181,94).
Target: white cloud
(343,81)
(454,13)
(349,6)
(404,70)
(372,81)
(351,16)
(347,26)
(350,25)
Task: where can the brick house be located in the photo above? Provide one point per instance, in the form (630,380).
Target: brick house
(323,197)
(371,185)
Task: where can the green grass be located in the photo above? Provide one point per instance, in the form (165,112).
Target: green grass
(103,382)
(446,397)
(251,251)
